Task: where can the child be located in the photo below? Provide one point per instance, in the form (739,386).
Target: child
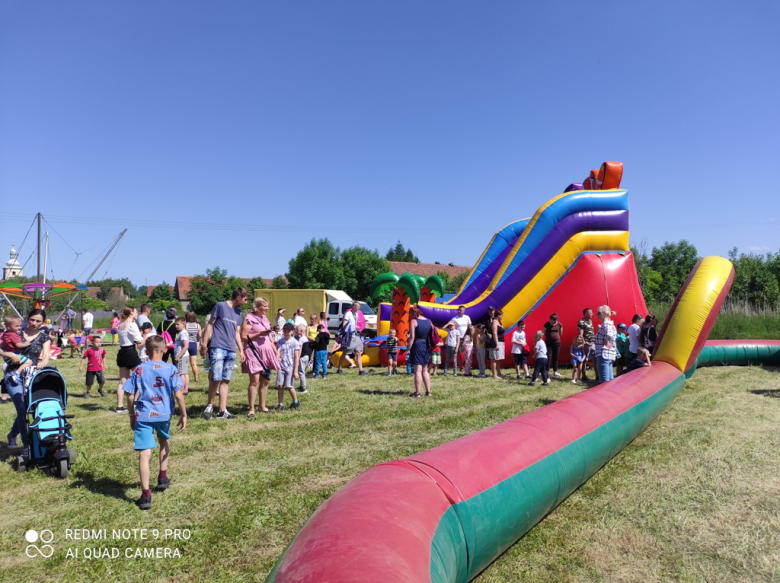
(114,328)
(11,343)
(642,359)
(541,359)
(96,363)
(480,348)
(433,367)
(73,343)
(181,353)
(392,353)
(150,389)
(321,351)
(147,329)
(577,356)
(451,348)
(289,359)
(468,347)
(274,335)
(622,347)
(519,347)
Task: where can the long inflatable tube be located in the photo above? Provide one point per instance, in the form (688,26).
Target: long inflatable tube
(444,514)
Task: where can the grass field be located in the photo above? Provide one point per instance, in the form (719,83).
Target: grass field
(696,497)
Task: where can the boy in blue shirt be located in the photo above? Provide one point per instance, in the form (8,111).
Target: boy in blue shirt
(151,389)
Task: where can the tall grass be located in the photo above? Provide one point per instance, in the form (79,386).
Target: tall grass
(736,320)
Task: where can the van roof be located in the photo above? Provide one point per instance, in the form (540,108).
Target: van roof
(338,295)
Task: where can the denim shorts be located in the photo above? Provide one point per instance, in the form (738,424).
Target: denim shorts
(222,364)
(145,430)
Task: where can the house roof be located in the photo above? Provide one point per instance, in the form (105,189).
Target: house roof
(181,290)
(94,291)
(426,269)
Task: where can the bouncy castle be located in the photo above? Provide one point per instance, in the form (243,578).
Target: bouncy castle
(443,515)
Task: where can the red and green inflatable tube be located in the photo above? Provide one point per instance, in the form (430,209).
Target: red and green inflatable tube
(443,515)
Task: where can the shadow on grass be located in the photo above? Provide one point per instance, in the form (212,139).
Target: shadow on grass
(89,406)
(399,392)
(768,393)
(103,486)
(543,402)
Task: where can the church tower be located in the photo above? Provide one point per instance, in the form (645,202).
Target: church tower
(12,267)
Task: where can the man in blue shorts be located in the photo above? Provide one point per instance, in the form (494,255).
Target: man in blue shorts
(221,336)
(151,389)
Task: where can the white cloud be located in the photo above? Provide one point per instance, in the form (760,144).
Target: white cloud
(759,249)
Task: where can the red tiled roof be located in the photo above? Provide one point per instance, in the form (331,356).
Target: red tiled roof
(182,288)
(426,269)
(93,292)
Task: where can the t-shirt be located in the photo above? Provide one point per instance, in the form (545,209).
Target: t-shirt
(321,342)
(142,319)
(299,321)
(182,342)
(541,349)
(10,340)
(71,314)
(518,336)
(587,331)
(153,384)
(452,338)
(462,323)
(305,346)
(622,344)
(94,359)
(634,364)
(87,319)
(280,321)
(114,323)
(224,330)
(392,345)
(552,333)
(351,322)
(287,349)
(633,338)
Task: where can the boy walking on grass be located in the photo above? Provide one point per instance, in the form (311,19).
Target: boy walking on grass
(150,390)
(451,350)
(96,362)
(289,359)
(392,353)
(181,355)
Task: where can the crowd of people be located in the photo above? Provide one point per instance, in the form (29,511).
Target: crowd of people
(292,350)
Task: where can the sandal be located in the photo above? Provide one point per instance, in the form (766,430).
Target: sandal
(429,394)
(415,395)
(250,415)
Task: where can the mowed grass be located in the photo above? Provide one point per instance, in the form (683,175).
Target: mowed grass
(695,498)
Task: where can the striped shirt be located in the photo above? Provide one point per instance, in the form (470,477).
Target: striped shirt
(605,341)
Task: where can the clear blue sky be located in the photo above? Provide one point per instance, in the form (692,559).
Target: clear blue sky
(435,123)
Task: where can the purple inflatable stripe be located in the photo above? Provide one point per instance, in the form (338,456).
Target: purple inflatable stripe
(482,281)
(536,260)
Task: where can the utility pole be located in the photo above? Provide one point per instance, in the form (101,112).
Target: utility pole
(38,279)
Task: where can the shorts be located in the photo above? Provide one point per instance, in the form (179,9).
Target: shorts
(222,364)
(355,345)
(184,363)
(519,359)
(436,358)
(95,374)
(87,332)
(392,356)
(193,349)
(284,378)
(113,331)
(497,353)
(576,361)
(144,433)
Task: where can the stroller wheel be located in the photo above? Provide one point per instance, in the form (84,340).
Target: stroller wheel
(20,465)
(72,454)
(62,469)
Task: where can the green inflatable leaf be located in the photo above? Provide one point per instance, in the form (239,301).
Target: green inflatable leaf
(408,283)
(435,284)
(382,282)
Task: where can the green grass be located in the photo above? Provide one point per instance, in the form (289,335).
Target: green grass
(694,498)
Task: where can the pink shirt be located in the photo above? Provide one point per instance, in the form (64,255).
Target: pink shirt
(94,359)
(115,323)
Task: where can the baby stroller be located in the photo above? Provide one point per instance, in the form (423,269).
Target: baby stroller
(47,429)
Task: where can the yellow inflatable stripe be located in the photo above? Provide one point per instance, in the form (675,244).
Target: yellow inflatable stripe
(685,325)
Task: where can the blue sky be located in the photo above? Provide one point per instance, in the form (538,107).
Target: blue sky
(230,133)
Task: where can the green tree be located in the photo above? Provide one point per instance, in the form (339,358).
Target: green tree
(209,289)
(755,281)
(398,253)
(649,280)
(255,283)
(317,266)
(445,277)
(360,266)
(162,298)
(454,284)
(674,261)
(278,282)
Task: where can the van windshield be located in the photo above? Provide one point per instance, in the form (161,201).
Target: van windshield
(366,309)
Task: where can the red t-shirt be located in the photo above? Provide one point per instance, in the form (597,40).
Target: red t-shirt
(10,340)
(94,359)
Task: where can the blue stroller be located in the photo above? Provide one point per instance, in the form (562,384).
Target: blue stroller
(47,429)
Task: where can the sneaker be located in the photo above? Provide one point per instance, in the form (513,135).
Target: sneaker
(361,373)
(389,374)
(11,441)
(87,396)
(121,410)
(395,372)
(454,374)
(547,382)
(518,377)
(528,376)
(162,484)
(302,391)
(225,415)
(280,407)
(480,376)
(574,381)
(295,405)
(208,412)
(144,503)
(102,392)
(445,373)
(532,384)
(339,371)
(557,375)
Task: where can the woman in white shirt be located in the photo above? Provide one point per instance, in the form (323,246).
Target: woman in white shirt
(127,358)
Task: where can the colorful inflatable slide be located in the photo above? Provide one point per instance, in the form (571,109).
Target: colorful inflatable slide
(444,514)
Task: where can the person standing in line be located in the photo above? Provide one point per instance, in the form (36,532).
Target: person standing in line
(468,347)
(622,349)
(168,325)
(576,359)
(649,335)
(420,329)
(260,352)
(553,331)
(289,353)
(194,331)
(223,330)
(634,330)
(540,351)
(479,343)
(86,324)
(585,330)
(451,347)
(606,344)
(71,316)
(496,353)
(303,361)
(519,348)
(324,321)
(463,322)
(320,348)
(143,317)
(300,318)
(127,358)
(181,353)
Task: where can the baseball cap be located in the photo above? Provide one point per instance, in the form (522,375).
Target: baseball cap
(621,325)
(147,326)
(288,326)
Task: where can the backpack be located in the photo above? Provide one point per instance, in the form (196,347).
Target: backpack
(166,336)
